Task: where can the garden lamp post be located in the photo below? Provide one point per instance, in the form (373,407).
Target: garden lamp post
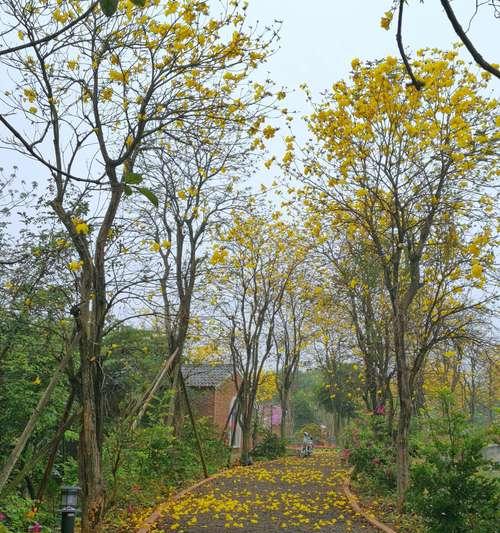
(69,508)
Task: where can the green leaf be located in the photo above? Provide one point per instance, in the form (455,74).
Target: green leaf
(108,7)
(132,178)
(71,435)
(140,3)
(127,190)
(151,196)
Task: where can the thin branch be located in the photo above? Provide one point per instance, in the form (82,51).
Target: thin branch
(478,58)
(30,150)
(51,36)
(399,39)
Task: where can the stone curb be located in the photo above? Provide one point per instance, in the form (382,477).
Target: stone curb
(353,500)
(153,518)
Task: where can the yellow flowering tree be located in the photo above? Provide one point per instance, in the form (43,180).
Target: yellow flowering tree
(444,314)
(468,368)
(249,283)
(197,185)
(408,172)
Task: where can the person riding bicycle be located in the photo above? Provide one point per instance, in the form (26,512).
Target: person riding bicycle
(307,444)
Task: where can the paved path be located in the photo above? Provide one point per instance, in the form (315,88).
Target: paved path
(291,494)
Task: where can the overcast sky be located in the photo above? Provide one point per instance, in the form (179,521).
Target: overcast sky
(319,38)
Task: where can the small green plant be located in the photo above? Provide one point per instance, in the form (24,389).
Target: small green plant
(369,449)
(271,447)
(451,488)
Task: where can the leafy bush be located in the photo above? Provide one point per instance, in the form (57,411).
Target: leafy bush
(271,447)
(151,460)
(451,487)
(216,453)
(19,513)
(313,429)
(370,451)
(16,509)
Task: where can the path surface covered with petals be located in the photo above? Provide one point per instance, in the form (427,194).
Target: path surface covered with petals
(290,494)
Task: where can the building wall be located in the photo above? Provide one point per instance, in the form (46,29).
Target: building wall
(202,402)
(223,398)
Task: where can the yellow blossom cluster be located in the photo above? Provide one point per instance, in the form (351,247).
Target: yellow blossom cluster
(81,227)
(385,21)
(156,246)
(219,256)
(75,266)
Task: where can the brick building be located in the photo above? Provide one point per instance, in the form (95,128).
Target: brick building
(213,389)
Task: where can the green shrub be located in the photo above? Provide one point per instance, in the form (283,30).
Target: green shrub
(451,487)
(19,515)
(216,453)
(369,449)
(15,509)
(271,447)
(313,429)
(151,460)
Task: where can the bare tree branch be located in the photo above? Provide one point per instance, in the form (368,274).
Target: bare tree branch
(478,58)
(50,36)
(416,83)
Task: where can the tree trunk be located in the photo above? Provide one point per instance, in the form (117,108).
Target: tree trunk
(30,488)
(491,391)
(285,414)
(402,457)
(246,426)
(90,467)
(371,384)
(405,408)
(419,395)
(390,411)
(336,427)
(246,442)
(473,393)
(175,416)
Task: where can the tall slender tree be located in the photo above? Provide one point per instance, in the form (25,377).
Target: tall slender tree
(409,172)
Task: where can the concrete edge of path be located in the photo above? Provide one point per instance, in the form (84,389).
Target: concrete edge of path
(353,501)
(146,526)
